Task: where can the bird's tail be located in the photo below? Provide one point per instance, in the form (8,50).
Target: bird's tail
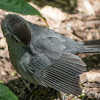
(91,46)
(92,42)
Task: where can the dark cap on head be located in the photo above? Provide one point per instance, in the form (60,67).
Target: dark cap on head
(19,28)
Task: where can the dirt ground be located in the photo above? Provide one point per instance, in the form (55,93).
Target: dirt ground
(81,24)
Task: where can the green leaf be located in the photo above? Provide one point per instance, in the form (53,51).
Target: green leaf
(18,6)
(1,82)
(6,94)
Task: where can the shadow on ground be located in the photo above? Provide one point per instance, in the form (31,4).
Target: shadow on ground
(31,91)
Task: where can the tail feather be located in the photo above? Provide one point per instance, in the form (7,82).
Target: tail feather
(92,42)
(91,49)
(91,46)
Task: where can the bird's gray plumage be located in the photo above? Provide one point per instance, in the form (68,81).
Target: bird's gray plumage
(43,56)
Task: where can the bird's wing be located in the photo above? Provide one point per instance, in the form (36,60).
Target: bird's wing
(61,74)
(53,66)
(50,45)
(39,33)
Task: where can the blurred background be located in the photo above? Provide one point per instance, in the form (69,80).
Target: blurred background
(76,19)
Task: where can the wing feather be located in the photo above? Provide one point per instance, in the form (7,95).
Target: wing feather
(61,74)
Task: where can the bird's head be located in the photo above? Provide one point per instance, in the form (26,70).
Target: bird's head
(16,28)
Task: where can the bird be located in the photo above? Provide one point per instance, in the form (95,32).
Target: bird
(43,56)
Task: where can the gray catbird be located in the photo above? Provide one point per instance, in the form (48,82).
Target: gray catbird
(43,56)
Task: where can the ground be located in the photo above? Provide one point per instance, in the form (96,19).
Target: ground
(81,26)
